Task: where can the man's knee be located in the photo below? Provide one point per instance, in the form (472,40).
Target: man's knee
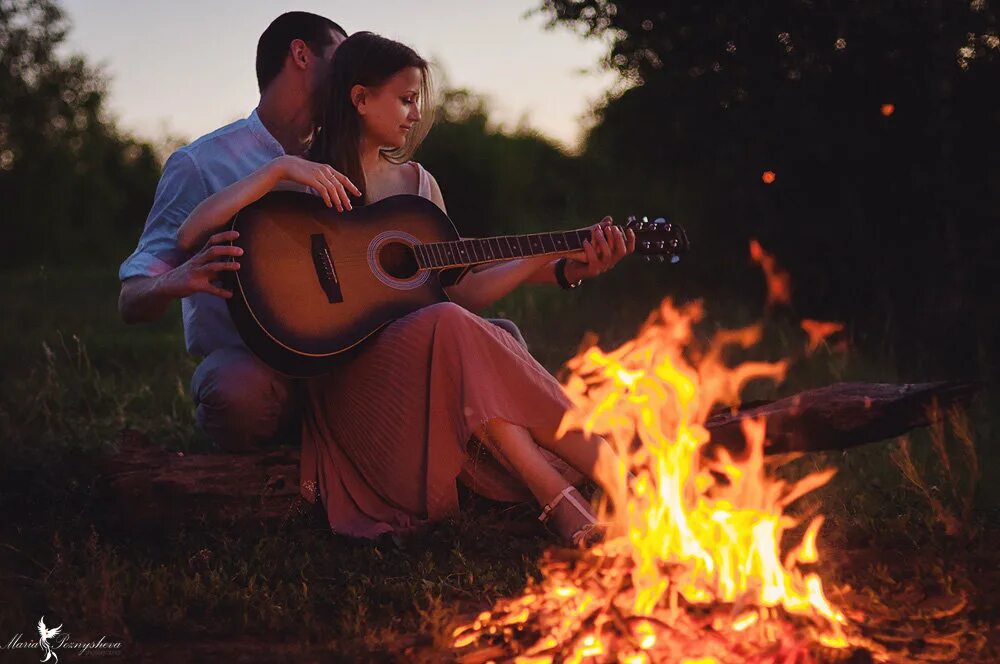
(240,402)
(510,327)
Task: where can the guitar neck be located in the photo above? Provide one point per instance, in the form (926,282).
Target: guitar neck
(474,251)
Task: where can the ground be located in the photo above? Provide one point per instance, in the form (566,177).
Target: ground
(901,547)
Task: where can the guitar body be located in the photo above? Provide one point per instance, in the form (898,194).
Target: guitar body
(314,283)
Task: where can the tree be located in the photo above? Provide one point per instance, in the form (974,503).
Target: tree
(496,182)
(878,119)
(73,186)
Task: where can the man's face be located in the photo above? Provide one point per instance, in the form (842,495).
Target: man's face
(326,57)
(321,70)
(336,39)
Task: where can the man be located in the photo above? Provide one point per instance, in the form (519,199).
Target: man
(240,401)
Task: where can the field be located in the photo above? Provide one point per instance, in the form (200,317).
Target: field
(907,534)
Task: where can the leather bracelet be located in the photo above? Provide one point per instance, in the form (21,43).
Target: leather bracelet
(561,276)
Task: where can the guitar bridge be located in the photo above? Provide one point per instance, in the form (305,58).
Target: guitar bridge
(323,262)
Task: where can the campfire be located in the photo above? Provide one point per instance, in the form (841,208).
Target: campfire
(699,564)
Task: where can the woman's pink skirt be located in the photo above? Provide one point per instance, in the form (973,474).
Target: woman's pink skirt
(387,434)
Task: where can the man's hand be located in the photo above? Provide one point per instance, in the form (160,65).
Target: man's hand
(607,245)
(331,184)
(145,299)
(200,272)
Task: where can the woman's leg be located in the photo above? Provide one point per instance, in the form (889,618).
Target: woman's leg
(521,452)
(592,455)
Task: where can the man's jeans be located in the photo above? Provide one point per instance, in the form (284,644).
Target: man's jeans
(242,403)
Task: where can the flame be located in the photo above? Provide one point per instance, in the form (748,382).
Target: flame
(691,569)
(779,287)
(818,331)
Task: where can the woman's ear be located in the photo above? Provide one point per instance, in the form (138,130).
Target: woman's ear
(358,97)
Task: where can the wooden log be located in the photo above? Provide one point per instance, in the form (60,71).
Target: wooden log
(842,415)
(156,488)
(152,487)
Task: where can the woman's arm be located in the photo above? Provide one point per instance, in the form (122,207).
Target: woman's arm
(215,211)
(600,254)
(481,288)
(478,290)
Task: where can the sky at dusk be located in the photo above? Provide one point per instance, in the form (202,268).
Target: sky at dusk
(184,68)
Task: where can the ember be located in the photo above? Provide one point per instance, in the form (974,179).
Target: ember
(692,568)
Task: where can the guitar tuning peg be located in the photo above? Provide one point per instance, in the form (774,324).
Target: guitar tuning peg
(661,258)
(648,259)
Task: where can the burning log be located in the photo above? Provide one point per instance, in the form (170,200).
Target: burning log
(158,488)
(581,608)
(841,416)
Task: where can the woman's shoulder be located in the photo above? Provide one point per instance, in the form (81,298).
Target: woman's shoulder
(427,186)
(415,166)
(422,176)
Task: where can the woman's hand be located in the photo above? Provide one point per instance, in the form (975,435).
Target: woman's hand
(328,183)
(607,245)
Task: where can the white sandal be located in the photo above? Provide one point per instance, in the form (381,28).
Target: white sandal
(588,534)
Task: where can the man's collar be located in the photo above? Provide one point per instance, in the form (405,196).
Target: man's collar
(263,135)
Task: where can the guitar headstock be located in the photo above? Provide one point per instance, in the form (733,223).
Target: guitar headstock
(657,238)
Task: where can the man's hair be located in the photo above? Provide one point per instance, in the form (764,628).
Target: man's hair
(272,47)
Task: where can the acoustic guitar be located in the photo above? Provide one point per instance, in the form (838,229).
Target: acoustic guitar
(314,283)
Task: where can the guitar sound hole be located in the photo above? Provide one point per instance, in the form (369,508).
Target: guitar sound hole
(397,260)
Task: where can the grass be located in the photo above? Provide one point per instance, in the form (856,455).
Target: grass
(73,377)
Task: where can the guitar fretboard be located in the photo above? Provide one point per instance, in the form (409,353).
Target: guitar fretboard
(504,247)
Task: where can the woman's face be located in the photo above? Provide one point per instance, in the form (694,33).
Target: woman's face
(389,112)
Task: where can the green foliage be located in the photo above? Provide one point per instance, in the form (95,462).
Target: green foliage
(736,49)
(494,182)
(74,189)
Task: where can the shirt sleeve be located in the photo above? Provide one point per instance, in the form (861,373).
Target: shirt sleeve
(179,191)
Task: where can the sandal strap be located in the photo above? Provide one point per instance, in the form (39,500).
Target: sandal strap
(580,506)
(547,510)
(583,533)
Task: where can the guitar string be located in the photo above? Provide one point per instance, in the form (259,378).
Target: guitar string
(363,258)
(354,258)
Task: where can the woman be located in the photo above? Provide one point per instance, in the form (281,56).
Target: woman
(387,434)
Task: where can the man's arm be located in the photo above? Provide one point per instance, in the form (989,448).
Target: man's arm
(142,300)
